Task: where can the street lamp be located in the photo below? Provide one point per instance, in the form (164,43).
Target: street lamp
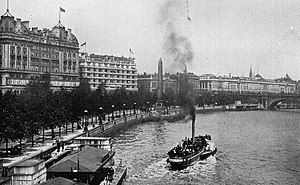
(85,121)
(100,115)
(167,102)
(112,114)
(124,114)
(134,112)
(148,106)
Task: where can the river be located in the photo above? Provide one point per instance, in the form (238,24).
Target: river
(254,147)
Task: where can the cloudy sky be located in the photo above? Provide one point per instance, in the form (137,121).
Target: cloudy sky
(223,36)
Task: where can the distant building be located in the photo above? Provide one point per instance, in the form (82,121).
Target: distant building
(149,82)
(170,81)
(26,53)
(256,84)
(210,82)
(114,72)
(192,80)
(298,87)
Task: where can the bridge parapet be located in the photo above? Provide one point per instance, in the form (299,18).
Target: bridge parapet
(270,100)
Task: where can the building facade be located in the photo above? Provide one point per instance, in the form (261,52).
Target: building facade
(27,53)
(210,82)
(149,82)
(256,84)
(170,81)
(114,72)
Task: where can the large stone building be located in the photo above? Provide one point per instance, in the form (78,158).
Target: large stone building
(26,53)
(149,82)
(256,84)
(170,81)
(212,83)
(114,72)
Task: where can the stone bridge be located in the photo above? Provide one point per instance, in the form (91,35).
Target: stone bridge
(269,101)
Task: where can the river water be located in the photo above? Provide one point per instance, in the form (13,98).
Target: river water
(254,147)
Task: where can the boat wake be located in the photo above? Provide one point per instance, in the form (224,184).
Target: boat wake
(161,171)
(201,171)
(154,171)
(204,165)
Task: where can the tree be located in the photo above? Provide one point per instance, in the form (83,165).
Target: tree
(36,92)
(80,100)
(7,120)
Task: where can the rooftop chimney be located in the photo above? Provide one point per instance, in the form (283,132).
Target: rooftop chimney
(26,24)
(18,25)
(69,35)
(35,29)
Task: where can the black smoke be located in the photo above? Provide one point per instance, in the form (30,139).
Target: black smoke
(176,46)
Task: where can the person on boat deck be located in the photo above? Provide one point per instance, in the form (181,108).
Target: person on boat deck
(184,143)
(210,146)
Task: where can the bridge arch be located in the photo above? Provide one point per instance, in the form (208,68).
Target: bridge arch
(273,102)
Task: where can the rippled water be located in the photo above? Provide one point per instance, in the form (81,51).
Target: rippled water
(255,147)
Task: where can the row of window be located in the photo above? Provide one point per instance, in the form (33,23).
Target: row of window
(111,71)
(252,87)
(23,82)
(112,81)
(51,49)
(110,65)
(111,76)
(43,55)
(113,86)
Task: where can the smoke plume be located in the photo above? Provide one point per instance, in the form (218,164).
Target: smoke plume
(177,48)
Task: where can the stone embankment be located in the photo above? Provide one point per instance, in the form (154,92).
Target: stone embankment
(106,129)
(111,127)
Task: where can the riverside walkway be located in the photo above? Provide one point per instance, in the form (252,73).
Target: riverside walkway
(39,150)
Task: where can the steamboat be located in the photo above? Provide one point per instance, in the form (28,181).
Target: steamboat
(191,150)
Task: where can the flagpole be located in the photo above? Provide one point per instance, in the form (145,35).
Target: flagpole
(59,15)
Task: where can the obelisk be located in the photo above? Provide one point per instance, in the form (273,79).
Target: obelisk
(160,80)
(159,103)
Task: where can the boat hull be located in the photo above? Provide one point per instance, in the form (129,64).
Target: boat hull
(181,163)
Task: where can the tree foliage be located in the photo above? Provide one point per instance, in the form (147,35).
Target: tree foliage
(38,107)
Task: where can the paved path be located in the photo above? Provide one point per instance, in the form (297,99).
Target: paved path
(29,151)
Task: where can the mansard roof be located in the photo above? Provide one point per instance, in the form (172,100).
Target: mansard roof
(8,24)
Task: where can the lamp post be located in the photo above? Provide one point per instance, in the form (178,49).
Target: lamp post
(100,115)
(124,114)
(148,106)
(85,121)
(134,111)
(167,103)
(112,113)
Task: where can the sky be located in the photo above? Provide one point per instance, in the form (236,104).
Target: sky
(221,37)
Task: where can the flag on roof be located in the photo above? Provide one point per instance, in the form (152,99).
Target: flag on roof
(130,51)
(61,9)
(83,44)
